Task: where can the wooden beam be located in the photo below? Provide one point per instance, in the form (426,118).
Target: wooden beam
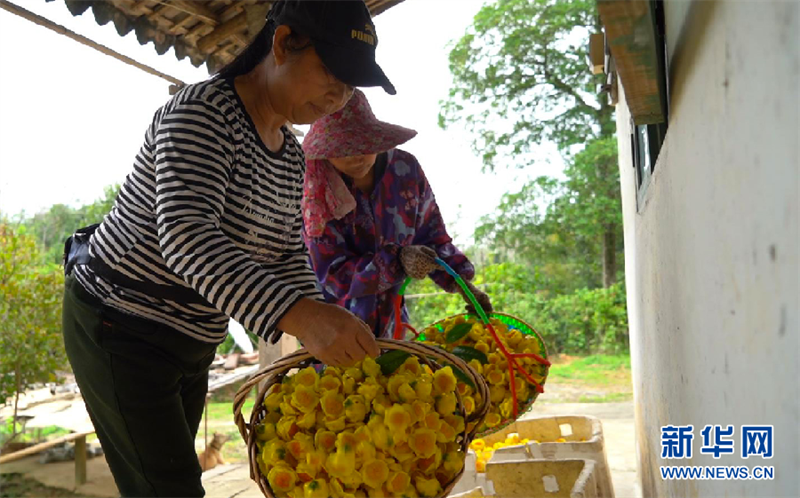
(37,448)
(41,21)
(632,40)
(197,9)
(230,28)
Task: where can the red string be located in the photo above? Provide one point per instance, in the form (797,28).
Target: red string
(398,317)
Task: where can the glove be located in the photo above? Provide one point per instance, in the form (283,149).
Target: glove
(480,296)
(418,261)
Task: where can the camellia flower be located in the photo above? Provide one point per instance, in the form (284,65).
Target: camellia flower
(305,398)
(446,433)
(398,419)
(446,404)
(381,404)
(369,389)
(336,424)
(306,377)
(402,452)
(482,347)
(282,479)
(300,445)
(497,393)
(469,404)
(397,483)
(307,421)
(418,410)
(453,462)
(427,487)
(330,383)
(380,434)
(432,420)
(316,459)
(355,373)
(411,365)
(318,488)
(341,464)
(370,367)
(355,408)
(492,420)
(496,377)
(265,431)
(374,473)
(507,408)
(423,442)
(332,404)
(287,427)
(273,401)
(325,441)
(444,381)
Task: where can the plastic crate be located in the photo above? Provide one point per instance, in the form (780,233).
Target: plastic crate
(543,478)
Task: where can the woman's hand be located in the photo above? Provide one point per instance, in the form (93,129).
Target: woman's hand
(331,334)
(418,261)
(480,296)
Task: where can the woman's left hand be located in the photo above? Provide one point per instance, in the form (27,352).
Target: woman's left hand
(480,296)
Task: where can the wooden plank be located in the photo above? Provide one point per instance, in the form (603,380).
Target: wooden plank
(43,446)
(632,40)
(230,28)
(80,461)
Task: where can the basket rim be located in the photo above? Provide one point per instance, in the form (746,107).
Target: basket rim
(275,372)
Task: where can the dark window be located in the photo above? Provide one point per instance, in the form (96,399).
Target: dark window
(646,139)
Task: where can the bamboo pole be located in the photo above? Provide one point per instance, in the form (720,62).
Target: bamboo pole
(41,21)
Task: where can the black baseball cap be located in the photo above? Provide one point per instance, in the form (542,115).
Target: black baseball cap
(343,35)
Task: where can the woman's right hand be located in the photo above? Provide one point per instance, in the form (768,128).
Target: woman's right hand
(330,333)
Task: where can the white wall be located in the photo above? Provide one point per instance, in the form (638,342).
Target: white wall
(712,254)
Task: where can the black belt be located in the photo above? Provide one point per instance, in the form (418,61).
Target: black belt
(76,252)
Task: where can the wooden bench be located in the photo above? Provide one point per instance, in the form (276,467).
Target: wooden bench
(80,453)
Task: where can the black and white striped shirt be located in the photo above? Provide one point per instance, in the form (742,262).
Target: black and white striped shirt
(207,206)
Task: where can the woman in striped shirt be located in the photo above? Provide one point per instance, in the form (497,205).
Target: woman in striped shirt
(207,226)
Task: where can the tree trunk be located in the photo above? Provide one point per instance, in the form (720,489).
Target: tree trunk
(609,256)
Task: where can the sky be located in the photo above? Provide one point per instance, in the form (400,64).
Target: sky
(72,119)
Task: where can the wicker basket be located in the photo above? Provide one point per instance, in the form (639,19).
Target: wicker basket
(434,357)
(512,322)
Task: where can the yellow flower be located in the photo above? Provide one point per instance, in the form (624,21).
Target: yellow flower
(476,365)
(453,462)
(394,384)
(424,387)
(355,373)
(380,434)
(369,388)
(336,424)
(446,404)
(423,442)
(469,404)
(332,372)
(446,433)
(411,365)
(329,383)
(274,452)
(381,404)
(427,487)
(341,464)
(496,377)
(561,440)
(346,442)
(307,421)
(497,394)
(432,420)
(265,431)
(316,459)
(492,420)
(306,472)
(306,377)
(362,433)
(456,422)
(397,420)
(281,479)
(332,404)
(477,445)
(318,488)
(287,427)
(370,367)
(305,398)
(406,393)
(355,408)
(365,450)
(418,410)
(296,492)
(397,483)
(444,381)
(482,347)
(514,337)
(480,466)
(507,408)
(348,385)
(374,473)
(273,401)
(402,452)
(300,445)
(338,491)
(325,441)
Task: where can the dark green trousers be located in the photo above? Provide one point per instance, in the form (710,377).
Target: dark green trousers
(144,385)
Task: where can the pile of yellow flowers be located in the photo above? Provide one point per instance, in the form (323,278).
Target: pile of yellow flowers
(355,432)
(484,452)
(463,337)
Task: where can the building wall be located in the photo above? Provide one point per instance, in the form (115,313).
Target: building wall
(712,253)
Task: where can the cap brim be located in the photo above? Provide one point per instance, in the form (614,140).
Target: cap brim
(356,68)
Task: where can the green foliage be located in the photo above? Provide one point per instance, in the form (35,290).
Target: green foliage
(562,230)
(521,77)
(581,322)
(31,348)
(53,227)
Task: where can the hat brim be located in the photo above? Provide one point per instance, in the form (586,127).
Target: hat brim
(354,67)
(379,137)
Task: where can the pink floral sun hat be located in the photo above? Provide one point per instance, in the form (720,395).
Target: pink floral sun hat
(351,131)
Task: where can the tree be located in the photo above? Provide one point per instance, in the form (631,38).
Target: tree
(521,78)
(31,348)
(52,227)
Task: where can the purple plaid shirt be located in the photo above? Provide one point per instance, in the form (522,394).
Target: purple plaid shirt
(356,258)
